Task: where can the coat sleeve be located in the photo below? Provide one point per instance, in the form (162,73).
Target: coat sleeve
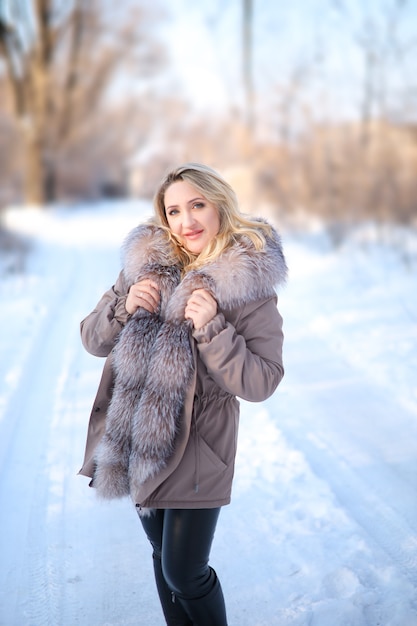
(245,359)
(101,327)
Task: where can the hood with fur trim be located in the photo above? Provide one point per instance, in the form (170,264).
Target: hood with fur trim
(153,360)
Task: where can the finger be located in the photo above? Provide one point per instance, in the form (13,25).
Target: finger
(198,294)
(204,296)
(150,289)
(148,281)
(197,300)
(149,286)
(204,292)
(146,299)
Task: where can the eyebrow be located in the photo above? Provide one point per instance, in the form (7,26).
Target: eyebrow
(175,206)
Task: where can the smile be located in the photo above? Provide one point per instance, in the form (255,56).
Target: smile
(193,235)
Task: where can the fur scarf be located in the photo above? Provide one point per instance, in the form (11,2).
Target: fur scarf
(153,360)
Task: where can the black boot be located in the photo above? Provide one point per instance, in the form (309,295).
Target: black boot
(173,610)
(209,610)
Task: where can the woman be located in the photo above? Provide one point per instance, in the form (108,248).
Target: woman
(190,324)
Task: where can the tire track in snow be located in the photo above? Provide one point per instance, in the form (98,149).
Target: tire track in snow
(32,567)
(27,584)
(348,428)
(375,515)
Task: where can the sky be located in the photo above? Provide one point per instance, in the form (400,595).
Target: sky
(315,42)
(318,40)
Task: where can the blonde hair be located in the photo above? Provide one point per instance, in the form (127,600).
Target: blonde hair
(216,190)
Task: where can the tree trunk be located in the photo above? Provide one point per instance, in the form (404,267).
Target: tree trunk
(247,64)
(40,174)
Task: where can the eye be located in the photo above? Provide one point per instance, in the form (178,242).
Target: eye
(198,205)
(172,212)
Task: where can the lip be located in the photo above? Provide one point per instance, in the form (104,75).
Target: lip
(194,234)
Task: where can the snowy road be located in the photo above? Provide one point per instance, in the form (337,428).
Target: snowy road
(322,530)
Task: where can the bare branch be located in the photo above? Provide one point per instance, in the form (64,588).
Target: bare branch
(72,69)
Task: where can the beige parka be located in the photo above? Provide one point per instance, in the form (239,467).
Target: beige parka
(237,354)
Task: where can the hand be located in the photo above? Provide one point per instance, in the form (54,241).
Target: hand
(201,308)
(145,293)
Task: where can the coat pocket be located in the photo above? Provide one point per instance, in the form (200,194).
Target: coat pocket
(210,456)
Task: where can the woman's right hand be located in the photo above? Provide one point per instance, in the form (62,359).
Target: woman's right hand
(145,293)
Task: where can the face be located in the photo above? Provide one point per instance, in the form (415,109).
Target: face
(191,217)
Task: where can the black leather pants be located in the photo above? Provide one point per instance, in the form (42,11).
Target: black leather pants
(188,588)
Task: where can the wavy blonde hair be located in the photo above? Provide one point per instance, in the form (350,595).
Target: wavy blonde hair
(216,190)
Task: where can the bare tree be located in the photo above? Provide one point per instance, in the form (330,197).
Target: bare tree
(28,39)
(60,57)
(379,39)
(247,56)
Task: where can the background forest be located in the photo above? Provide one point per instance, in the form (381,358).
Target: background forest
(307,107)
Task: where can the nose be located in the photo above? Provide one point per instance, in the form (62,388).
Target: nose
(188,219)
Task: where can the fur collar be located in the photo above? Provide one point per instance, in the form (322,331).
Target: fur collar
(153,361)
(240,275)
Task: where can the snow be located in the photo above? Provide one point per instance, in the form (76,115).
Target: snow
(322,529)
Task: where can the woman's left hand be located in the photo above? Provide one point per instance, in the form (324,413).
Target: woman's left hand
(201,308)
